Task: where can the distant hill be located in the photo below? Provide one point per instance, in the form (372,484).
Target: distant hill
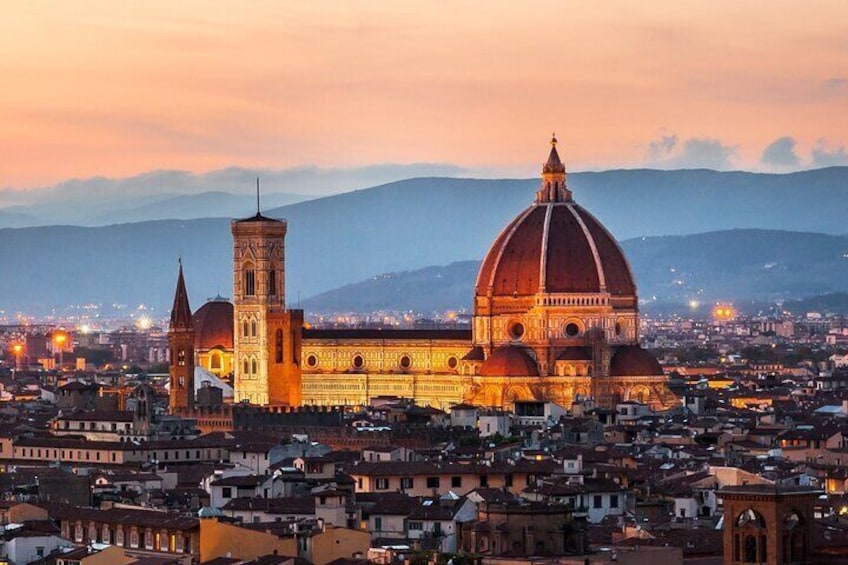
(15,219)
(412,224)
(168,195)
(432,289)
(835,302)
(203,205)
(737,265)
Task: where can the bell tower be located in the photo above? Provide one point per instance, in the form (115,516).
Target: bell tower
(768,524)
(181,344)
(267,338)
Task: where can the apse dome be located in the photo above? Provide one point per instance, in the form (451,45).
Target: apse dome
(509,361)
(633,361)
(213,325)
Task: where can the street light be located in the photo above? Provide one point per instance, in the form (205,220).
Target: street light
(60,341)
(17,348)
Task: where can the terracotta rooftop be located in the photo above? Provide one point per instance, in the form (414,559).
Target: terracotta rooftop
(213,325)
(561,242)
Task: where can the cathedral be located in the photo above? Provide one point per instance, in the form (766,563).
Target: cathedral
(555,319)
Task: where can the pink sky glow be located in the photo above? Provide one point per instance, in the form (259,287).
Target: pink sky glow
(110,88)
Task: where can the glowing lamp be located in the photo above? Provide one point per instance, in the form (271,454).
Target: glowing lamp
(723,312)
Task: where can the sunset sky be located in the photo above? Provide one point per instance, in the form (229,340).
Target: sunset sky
(119,88)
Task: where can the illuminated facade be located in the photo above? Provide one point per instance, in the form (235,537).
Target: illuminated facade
(555,318)
(267,339)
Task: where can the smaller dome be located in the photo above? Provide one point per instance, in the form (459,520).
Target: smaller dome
(633,361)
(509,361)
(213,325)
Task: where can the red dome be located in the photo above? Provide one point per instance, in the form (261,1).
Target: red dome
(509,361)
(213,325)
(555,247)
(633,361)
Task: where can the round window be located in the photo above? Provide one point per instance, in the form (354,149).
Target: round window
(572,329)
(516,330)
(452,362)
(311,361)
(358,361)
(405,362)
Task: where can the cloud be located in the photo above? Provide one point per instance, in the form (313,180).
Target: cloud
(825,157)
(836,83)
(662,147)
(781,153)
(694,153)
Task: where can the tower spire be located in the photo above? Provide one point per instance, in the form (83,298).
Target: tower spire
(181,311)
(553,187)
(258,210)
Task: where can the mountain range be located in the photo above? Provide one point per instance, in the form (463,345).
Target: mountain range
(160,195)
(736,265)
(409,225)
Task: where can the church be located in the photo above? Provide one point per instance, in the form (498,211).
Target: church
(555,319)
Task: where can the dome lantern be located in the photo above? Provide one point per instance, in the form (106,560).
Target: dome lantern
(553,187)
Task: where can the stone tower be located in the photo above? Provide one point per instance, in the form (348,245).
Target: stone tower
(267,336)
(181,343)
(768,524)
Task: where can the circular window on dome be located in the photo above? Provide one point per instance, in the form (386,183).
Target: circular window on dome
(452,362)
(311,361)
(358,362)
(516,330)
(572,329)
(405,362)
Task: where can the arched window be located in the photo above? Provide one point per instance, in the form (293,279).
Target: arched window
(181,357)
(163,540)
(272,282)
(253,328)
(278,346)
(750,549)
(246,366)
(215,360)
(254,367)
(794,540)
(249,281)
(751,517)
(244,329)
